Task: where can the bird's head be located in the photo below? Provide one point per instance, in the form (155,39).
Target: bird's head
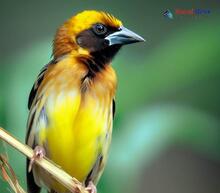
(93,33)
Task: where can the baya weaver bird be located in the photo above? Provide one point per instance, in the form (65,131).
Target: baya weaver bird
(72,101)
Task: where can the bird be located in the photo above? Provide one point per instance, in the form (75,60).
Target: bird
(72,102)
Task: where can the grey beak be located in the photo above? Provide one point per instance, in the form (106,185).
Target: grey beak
(124,36)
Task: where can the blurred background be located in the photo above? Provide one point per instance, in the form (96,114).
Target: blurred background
(166,136)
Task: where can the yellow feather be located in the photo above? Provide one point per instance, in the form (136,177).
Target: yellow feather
(78,122)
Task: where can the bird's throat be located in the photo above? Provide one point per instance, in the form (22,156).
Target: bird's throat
(100,59)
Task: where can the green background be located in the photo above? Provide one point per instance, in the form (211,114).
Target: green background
(167,129)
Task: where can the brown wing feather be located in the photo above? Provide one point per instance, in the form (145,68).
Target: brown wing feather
(32,187)
(37,83)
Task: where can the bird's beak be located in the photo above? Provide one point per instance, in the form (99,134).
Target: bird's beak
(124,36)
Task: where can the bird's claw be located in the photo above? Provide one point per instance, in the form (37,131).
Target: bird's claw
(91,188)
(39,153)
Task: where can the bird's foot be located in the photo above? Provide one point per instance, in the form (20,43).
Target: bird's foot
(91,188)
(39,153)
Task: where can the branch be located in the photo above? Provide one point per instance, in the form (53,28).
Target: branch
(9,175)
(61,176)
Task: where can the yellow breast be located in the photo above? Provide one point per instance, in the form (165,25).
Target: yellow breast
(79,123)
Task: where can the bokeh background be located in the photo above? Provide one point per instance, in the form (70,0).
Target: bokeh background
(167,128)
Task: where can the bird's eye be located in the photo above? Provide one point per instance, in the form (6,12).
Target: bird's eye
(99,29)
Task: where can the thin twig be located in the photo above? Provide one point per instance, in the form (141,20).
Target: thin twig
(61,176)
(9,175)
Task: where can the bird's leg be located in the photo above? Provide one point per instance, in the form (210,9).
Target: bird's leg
(39,153)
(91,188)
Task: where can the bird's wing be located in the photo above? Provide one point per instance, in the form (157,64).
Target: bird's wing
(32,97)
(32,186)
(36,85)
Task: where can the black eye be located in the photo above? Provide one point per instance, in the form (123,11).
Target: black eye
(99,29)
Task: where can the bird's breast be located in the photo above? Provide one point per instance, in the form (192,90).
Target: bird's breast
(79,123)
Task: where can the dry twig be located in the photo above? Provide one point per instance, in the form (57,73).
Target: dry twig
(9,175)
(61,176)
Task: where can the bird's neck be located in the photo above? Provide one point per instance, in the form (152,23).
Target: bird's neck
(91,74)
(97,61)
